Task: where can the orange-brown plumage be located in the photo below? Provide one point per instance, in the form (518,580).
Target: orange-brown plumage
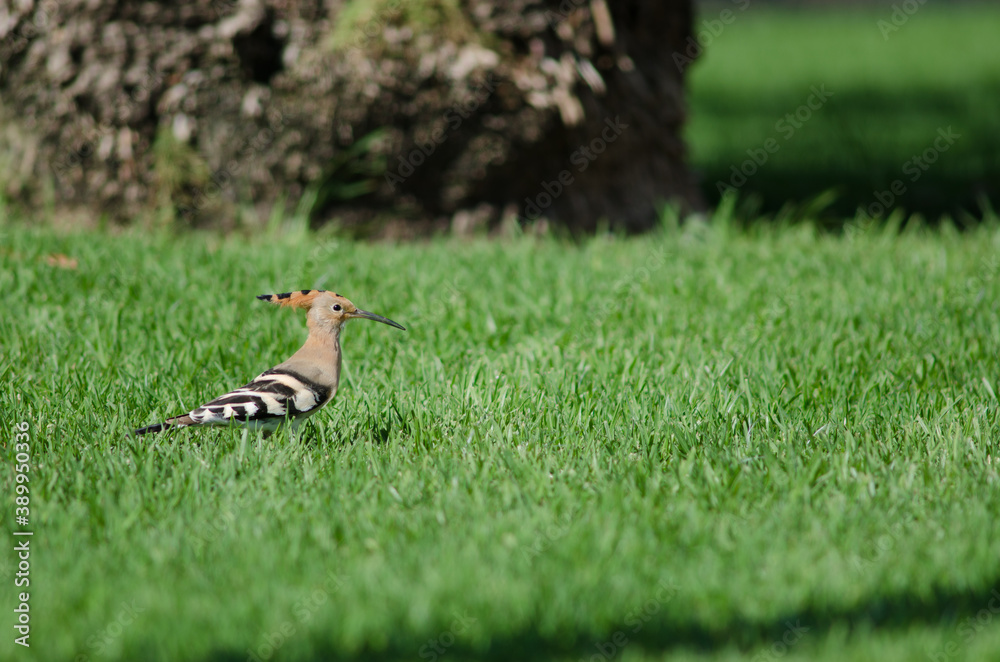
(297,387)
(297,299)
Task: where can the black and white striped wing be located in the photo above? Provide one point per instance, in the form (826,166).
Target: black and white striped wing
(270,399)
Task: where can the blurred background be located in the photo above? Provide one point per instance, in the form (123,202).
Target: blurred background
(391,118)
(898,73)
(782,422)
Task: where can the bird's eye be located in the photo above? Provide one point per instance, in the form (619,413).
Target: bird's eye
(336,306)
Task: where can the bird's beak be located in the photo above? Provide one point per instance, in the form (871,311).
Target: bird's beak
(364,314)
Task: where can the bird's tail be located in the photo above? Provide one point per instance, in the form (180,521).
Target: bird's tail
(176,422)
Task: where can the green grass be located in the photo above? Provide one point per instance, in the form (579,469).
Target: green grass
(666,447)
(889,98)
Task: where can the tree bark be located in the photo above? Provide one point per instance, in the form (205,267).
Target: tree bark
(379,113)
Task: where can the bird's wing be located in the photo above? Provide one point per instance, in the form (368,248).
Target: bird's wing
(271,397)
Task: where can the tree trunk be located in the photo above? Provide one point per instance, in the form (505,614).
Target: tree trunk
(433,112)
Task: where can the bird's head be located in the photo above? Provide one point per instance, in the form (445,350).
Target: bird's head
(326,309)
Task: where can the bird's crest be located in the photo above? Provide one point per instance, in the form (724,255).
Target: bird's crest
(298,299)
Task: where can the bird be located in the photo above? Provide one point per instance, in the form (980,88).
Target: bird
(294,389)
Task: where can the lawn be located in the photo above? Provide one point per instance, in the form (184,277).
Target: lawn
(888,85)
(708,443)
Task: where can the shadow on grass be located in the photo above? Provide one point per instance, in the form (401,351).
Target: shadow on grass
(857,144)
(662,634)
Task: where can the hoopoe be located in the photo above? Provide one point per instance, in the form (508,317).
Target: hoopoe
(293,390)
